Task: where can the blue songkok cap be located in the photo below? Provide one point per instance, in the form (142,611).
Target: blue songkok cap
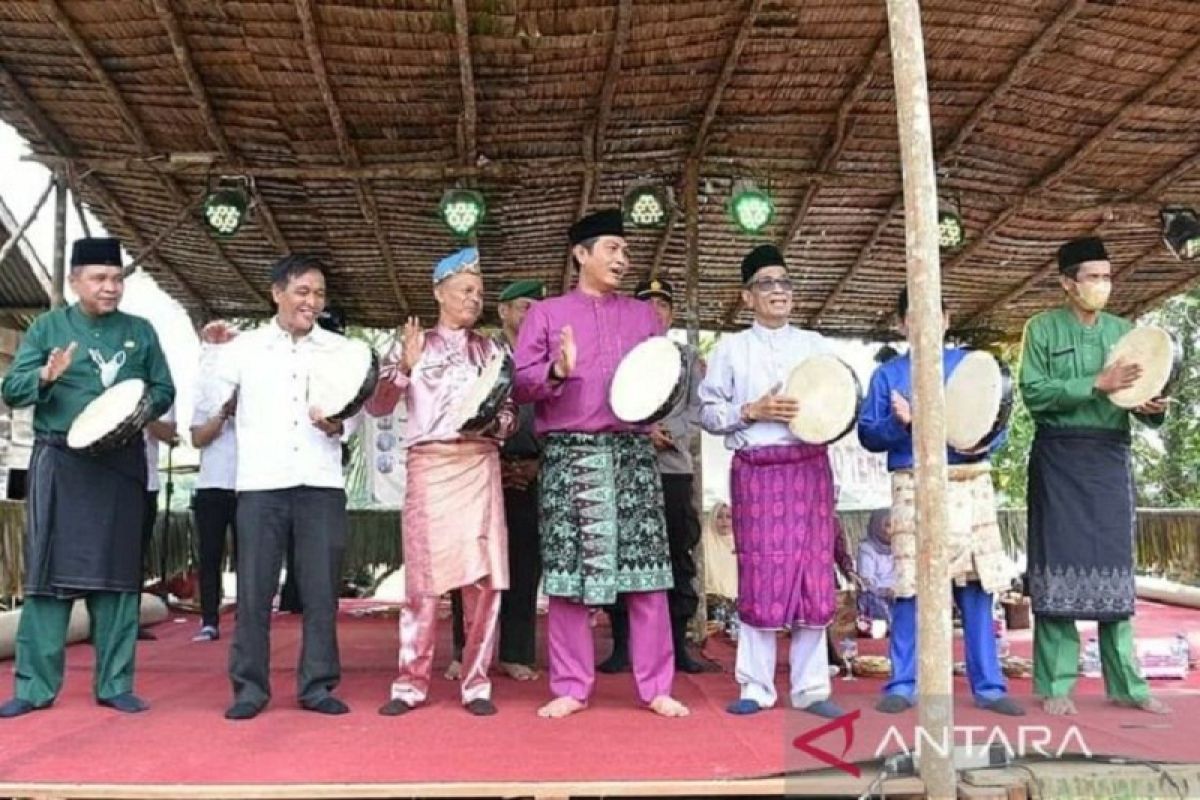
(465,260)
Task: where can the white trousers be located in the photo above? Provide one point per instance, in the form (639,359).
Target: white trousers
(808,659)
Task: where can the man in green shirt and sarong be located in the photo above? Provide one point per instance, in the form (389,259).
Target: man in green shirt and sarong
(84,510)
(1081,495)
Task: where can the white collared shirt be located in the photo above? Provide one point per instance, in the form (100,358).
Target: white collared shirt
(743,368)
(218,459)
(152,452)
(278,447)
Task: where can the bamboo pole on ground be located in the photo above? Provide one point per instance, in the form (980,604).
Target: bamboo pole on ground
(58,268)
(935,713)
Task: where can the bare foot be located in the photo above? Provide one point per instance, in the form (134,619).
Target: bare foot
(1151,704)
(560,707)
(667,706)
(1059,706)
(454,671)
(519,672)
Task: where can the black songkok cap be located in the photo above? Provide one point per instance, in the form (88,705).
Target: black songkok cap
(655,288)
(765,255)
(1077,251)
(90,252)
(608,222)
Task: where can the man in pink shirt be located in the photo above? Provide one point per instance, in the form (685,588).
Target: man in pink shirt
(454,530)
(603,529)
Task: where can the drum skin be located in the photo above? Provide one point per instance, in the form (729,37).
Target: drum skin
(496,397)
(800,386)
(123,431)
(364,392)
(1003,412)
(1160,357)
(673,399)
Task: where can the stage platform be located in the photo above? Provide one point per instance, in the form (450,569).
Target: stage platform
(183,748)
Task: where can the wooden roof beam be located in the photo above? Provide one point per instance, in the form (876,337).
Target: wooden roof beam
(1080,154)
(183,56)
(56,140)
(841,132)
(466,76)
(366,197)
(982,111)
(134,128)
(593,138)
(711,106)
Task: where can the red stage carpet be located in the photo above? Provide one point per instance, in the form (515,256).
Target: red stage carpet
(185,740)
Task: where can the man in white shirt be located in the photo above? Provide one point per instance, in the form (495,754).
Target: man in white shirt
(290,487)
(214,503)
(160,431)
(784,526)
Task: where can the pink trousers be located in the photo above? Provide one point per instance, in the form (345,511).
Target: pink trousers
(572,654)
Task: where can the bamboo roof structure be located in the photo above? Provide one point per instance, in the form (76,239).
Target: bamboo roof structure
(1052,119)
(24,279)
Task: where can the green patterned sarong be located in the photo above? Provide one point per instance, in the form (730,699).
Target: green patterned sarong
(602,524)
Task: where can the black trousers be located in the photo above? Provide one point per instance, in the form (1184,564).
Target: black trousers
(518,605)
(149,517)
(215,511)
(315,521)
(683,534)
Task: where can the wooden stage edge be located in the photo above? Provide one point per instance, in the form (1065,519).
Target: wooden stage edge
(822,784)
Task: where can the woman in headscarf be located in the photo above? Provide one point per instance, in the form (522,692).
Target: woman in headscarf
(876,567)
(720,563)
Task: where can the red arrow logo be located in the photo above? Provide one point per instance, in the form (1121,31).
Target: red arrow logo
(803,742)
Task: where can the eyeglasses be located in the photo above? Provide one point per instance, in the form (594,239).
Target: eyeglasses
(767,285)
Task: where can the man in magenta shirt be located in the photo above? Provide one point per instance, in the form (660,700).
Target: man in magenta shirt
(603,528)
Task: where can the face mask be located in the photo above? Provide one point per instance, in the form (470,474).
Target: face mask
(1093,296)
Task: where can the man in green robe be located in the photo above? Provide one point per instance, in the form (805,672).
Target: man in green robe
(84,509)
(1081,495)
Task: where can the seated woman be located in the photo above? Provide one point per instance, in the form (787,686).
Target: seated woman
(720,567)
(876,568)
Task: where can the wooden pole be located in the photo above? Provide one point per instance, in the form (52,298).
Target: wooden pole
(24,226)
(691,192)
(58,268)
(935,713)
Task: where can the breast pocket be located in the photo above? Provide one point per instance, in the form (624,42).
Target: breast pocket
(1062,363)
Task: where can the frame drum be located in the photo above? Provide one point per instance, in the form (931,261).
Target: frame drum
(829,395)
(341,378)
(649,382)
(1159,356)
(979,398)
(486,395)
(111,419)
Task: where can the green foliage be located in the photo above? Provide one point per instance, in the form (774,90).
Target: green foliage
(1166,459)
(1010,465)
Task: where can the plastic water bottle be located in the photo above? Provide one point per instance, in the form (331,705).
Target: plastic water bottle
(1091,659)
(1183,652)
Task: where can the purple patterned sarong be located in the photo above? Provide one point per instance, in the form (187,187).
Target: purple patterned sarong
(784,530)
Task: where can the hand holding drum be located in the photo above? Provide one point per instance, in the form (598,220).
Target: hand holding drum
(1141,368)
(772,407)
(825,396)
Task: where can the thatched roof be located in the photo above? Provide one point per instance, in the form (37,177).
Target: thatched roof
(1053,118)
(24,280)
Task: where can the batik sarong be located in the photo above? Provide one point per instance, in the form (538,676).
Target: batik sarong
(602,523)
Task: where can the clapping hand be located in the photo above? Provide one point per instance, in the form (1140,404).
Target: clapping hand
(413,339)
(564,365)
(57,363)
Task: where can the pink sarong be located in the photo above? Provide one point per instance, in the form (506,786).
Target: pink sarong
(784,530)
(454,529)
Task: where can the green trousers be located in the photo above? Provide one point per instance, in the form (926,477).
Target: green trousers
(42,641)
(1056,660)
